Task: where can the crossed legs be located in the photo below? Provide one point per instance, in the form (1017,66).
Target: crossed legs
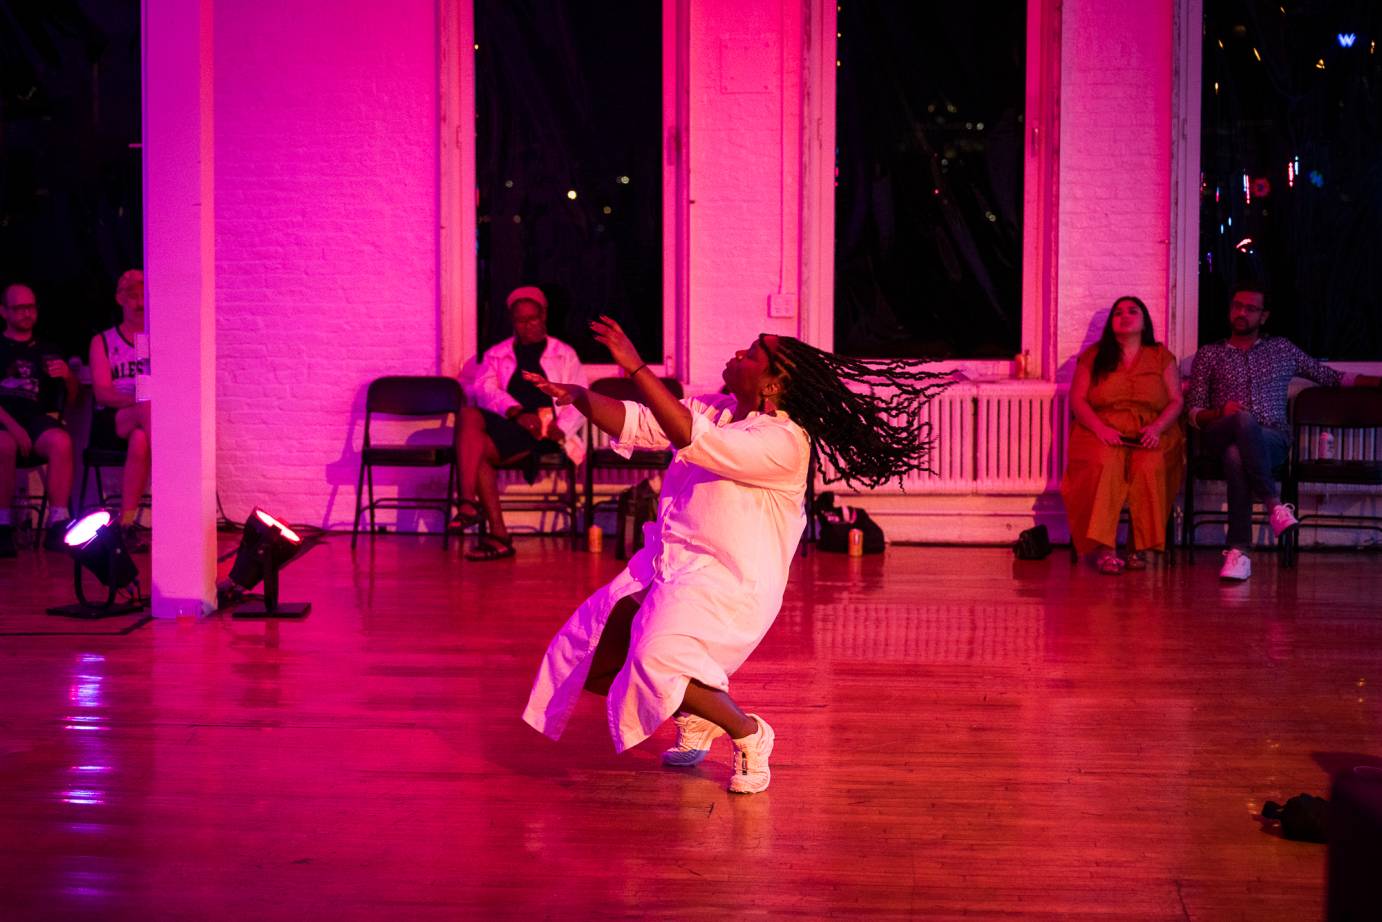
(134,424)
(478,459)
(1249,453)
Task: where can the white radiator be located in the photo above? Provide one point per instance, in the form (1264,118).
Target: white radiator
(1344,445)
(1022,428)
(1001,437)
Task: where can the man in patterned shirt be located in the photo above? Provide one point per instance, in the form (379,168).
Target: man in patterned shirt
(1238,395)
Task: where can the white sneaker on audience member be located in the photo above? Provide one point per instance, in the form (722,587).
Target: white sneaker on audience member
(1236,565)
(1283,518)
(751,753)
(694,736)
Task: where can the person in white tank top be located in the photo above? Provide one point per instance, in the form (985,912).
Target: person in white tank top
(115,368)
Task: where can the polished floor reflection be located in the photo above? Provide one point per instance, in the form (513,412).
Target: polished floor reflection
(959,734)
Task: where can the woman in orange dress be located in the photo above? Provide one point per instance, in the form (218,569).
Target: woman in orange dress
(1126,445)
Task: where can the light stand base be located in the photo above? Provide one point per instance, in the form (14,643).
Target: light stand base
(89,612)
(284,610)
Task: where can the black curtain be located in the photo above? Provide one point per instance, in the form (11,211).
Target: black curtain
(71,211)
(928,205)
(569,98)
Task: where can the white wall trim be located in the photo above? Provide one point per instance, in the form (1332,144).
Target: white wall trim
(1041,189)
(676,190)
(1183,274)
(816,318)
(456,283)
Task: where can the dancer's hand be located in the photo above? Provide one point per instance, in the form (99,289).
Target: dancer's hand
(611,335)
(1149,436)
(561,394)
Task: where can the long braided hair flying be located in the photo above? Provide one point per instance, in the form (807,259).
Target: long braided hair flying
(867,434)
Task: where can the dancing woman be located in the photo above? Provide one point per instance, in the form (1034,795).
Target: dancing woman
(663,637)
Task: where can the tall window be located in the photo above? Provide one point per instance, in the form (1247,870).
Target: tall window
(928,207)
(1292,174)
(71,206)
(568,102)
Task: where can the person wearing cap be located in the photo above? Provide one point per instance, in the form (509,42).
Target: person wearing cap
(122,421)
(509,419)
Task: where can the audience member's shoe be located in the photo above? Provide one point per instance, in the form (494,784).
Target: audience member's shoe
(136,539)
(1236,565)
(52,536)
(1283,519)
(7,548)
(751,774)
(694,736)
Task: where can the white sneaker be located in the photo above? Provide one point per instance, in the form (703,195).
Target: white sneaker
(1283,517)
(751,753)
(1236,565)
(694,735)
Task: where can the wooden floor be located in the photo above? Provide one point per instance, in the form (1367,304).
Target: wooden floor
(958,735)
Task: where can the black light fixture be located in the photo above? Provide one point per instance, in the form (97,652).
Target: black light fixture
(267,544)
(97,544)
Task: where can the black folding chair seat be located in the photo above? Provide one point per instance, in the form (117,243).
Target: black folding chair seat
(415,397)
(408,455)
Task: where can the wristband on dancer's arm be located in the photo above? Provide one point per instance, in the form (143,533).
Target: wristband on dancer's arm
(638,369)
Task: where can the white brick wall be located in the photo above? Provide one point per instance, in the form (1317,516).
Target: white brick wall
(326,237)
(1115,164)
(740,178)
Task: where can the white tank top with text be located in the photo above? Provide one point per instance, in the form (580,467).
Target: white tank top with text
(124,360)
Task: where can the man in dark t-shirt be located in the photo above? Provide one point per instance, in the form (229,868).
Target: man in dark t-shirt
(34,381)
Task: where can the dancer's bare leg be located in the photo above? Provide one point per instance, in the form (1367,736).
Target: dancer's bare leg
(718,708)
(613,648)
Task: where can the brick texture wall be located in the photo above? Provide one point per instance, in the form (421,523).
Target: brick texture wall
(326,238)
(1115,164)
(745,170)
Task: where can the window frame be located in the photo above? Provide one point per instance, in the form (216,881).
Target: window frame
(457,282)
(1041,162)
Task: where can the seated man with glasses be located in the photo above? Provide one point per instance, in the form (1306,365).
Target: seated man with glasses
(34,379)
(1238,398)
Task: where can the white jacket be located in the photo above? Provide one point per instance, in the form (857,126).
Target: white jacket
(486,386)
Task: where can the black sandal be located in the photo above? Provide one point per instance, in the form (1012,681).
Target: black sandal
(465,519)
(491,547)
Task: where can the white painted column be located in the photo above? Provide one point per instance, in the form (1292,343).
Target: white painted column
(180,288)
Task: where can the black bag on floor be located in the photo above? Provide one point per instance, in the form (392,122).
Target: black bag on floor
(1033,544)
(835,523)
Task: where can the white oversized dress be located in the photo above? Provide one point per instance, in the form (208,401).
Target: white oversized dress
(713,569)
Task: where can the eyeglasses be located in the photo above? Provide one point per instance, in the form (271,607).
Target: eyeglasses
(27,306)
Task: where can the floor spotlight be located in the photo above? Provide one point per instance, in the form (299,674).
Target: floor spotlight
(97,544)
(266,545)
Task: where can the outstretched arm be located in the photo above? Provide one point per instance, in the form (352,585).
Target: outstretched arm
(605,412)
(671,414)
